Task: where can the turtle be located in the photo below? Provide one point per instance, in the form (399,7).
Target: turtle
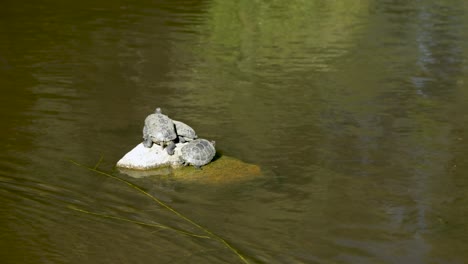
(184,132)
(159,129)
(197,152)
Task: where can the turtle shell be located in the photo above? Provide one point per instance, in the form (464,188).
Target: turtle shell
(159,127)
(184,130)
(198,152)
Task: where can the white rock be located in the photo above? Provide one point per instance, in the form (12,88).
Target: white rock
(141,158)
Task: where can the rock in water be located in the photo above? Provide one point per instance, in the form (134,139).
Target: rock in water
(222,170)
(141,158)
(154,161)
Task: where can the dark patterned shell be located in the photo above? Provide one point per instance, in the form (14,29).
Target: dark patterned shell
(198,152)
(159,127)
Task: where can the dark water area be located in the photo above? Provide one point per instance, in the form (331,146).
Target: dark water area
(356,112)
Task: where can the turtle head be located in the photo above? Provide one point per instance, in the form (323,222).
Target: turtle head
(213,142)
(158,110)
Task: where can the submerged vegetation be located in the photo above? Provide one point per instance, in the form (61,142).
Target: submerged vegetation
(208,234)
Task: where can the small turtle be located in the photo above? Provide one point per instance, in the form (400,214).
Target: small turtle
(198,152)
(159,129)
(184,131)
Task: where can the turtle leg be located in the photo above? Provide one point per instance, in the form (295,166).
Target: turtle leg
(197,167)
(170,148)
(147,142)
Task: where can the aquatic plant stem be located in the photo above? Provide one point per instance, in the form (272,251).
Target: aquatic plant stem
(138,222)
(208,232)
(98,163)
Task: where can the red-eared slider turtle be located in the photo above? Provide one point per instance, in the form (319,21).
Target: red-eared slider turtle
(159,129)
(184,131)
(198,152)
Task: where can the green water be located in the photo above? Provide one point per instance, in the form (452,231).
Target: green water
(356,111)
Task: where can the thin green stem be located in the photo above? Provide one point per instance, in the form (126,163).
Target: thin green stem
(137,222)
(98,163)
(210,234)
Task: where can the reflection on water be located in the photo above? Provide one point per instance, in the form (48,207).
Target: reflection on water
(356,112)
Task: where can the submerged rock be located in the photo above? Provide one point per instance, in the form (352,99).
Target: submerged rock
(154,161)
(222,170)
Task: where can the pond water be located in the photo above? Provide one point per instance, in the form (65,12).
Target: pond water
(356,112)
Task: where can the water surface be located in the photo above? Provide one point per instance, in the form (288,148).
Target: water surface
(356,113)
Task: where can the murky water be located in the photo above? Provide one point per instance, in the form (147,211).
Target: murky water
(355,111)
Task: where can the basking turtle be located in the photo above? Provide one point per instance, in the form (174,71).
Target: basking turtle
(198,152)
(159,129)
(184,131)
